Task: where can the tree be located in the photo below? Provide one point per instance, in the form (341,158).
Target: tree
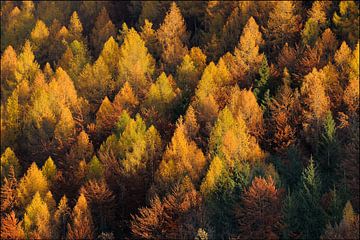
(82,148)
(95,169)
(283,25)
(102,31)
(348,227)
(170,217)
(95,82)
(61,218)
(8,159)
(190,122)
(110,55)
(49,170)
(125,99)
(105,117)
(148,34)
(27,66)
(39,37)
(316,104)
(182,157)
(9,198)
(37,218)
(247,56)
(32,182)
(81,226)
(231,141)
(11,227)
(65,128)
(75,27)
(346,20)
(136,65)
(8,70)
(102,203)
(173,38)
(260,215)
(303,214)
(243,104)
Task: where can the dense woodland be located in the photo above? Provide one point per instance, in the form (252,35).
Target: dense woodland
(180,120)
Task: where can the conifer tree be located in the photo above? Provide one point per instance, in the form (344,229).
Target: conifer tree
(8,197)
(125,99)
(346,20)
(182,157)
(110,55)
(32,182)
(136,65)
(148,34)
(37,218)
(105,117)
(65,128)
(8,70)
(283,25)
(49,170)
(260,215)
(173,38)
(39,38)
(11,227)
(95,169)
(102,31)
(81,226)
(8,159)
(75,27)
(26,65)
(61,218)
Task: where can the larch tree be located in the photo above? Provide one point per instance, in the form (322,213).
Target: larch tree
(39,38)
(105,117)
(135,65)
(173,38)
(75,27)
(32,182)
(61,218)
(11,227)
(37,218)
(126,99)
(26,65)
(243,103)
(65,128)
(49,170)
(110,54)
(182,157)
(283,25)
(148,34)
(260,214)
(8,70)
(8,159)
(346,21)
(95,169)
(81,226)
(247,56)
(9,198)
(102,31)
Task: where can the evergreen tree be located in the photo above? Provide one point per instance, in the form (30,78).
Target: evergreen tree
(262,84)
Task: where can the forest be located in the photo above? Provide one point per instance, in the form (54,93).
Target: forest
(179,120)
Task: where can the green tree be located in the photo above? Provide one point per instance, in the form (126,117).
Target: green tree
(95,169)
(262,84)
(8,159)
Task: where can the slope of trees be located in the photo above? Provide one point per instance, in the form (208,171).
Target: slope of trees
(179,120)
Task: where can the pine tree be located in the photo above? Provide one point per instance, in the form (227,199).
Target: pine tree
(81,226)
(173,38)
(136,65)
(32,182)
(262,84)
(11,227)
(260,214)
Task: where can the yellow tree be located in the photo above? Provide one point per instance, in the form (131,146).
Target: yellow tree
(32,182)
(39,38)
(181,158)
(26,65)
(173,38)
(125,99)
(110,55)
(136,65)
(8,159)
(61,218)
(81,226)
(75,27)
(8,69)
